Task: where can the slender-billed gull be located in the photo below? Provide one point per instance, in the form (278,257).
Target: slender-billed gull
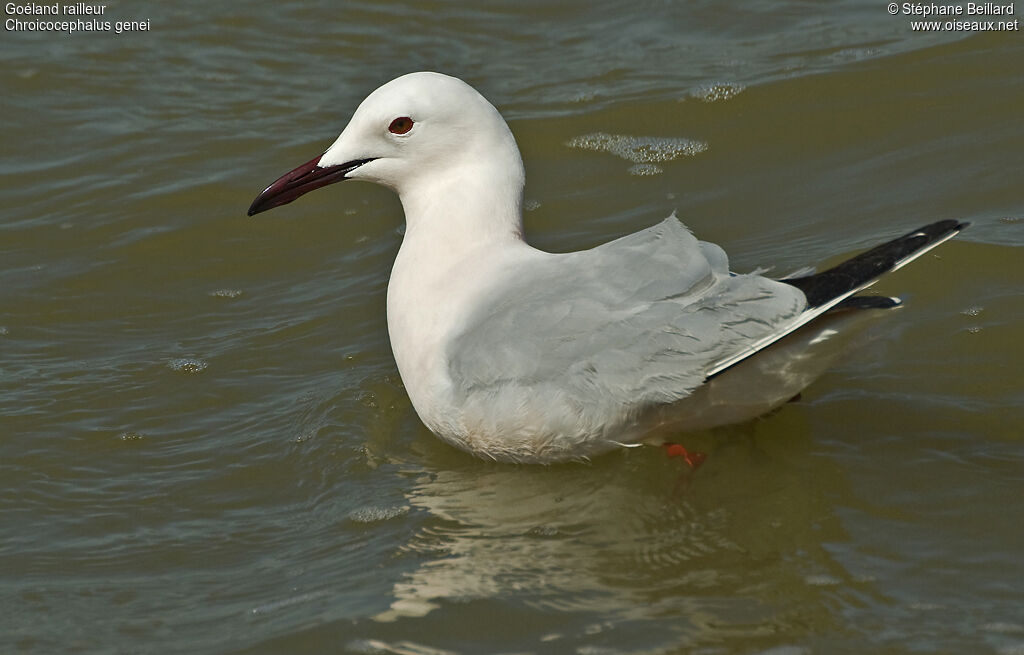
(516,354)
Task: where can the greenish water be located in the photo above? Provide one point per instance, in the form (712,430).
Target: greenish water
(204,443)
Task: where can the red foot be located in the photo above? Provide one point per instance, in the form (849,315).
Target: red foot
(694,459)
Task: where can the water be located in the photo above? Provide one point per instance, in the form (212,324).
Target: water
(205,445)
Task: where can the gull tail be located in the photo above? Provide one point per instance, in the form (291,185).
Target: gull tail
(834,288)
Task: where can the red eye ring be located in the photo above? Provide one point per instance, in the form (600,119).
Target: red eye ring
(400,125)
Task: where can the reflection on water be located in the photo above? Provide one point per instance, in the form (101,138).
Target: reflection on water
(611,539)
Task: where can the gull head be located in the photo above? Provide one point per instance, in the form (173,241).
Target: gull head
(415,134)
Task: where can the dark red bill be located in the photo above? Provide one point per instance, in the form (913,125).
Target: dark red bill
(302,180)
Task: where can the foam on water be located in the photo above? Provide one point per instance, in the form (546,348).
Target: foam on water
(645,169)
(822,580)
(226,293)
(187,365)
(375,514)
(639,149)
(717,91)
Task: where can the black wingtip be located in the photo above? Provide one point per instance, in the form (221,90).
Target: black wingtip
(861,271)
(833,290)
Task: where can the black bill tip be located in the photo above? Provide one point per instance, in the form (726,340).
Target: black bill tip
(302,180)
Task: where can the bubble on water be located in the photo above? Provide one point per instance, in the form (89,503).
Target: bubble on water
(822,580)
(376,514)
(531,205)
(645,169)
(585,95)
(1011,220)
(639,149)
(545,531)
(717,91)
(974,329)
(187,365)
(226,293)
(304,437)
(130,436)
(3,331)
(972,311)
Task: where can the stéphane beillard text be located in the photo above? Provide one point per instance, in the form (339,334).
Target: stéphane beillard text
(56,9)
(971,9)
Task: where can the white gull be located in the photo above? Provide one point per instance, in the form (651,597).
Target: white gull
(516,354)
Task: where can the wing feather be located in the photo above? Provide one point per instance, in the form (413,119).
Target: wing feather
(630,324)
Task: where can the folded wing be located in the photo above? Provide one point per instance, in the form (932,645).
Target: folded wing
(633,323)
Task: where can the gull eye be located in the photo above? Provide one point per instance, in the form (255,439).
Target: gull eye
(400,125)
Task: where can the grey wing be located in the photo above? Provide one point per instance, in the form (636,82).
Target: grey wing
(630,324)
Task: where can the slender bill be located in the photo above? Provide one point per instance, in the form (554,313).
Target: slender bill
(302,180)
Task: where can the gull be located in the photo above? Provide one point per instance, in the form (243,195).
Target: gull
(515,354)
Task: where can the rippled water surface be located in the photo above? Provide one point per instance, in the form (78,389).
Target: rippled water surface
(205,446)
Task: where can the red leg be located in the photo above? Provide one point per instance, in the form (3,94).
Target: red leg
(694,459)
